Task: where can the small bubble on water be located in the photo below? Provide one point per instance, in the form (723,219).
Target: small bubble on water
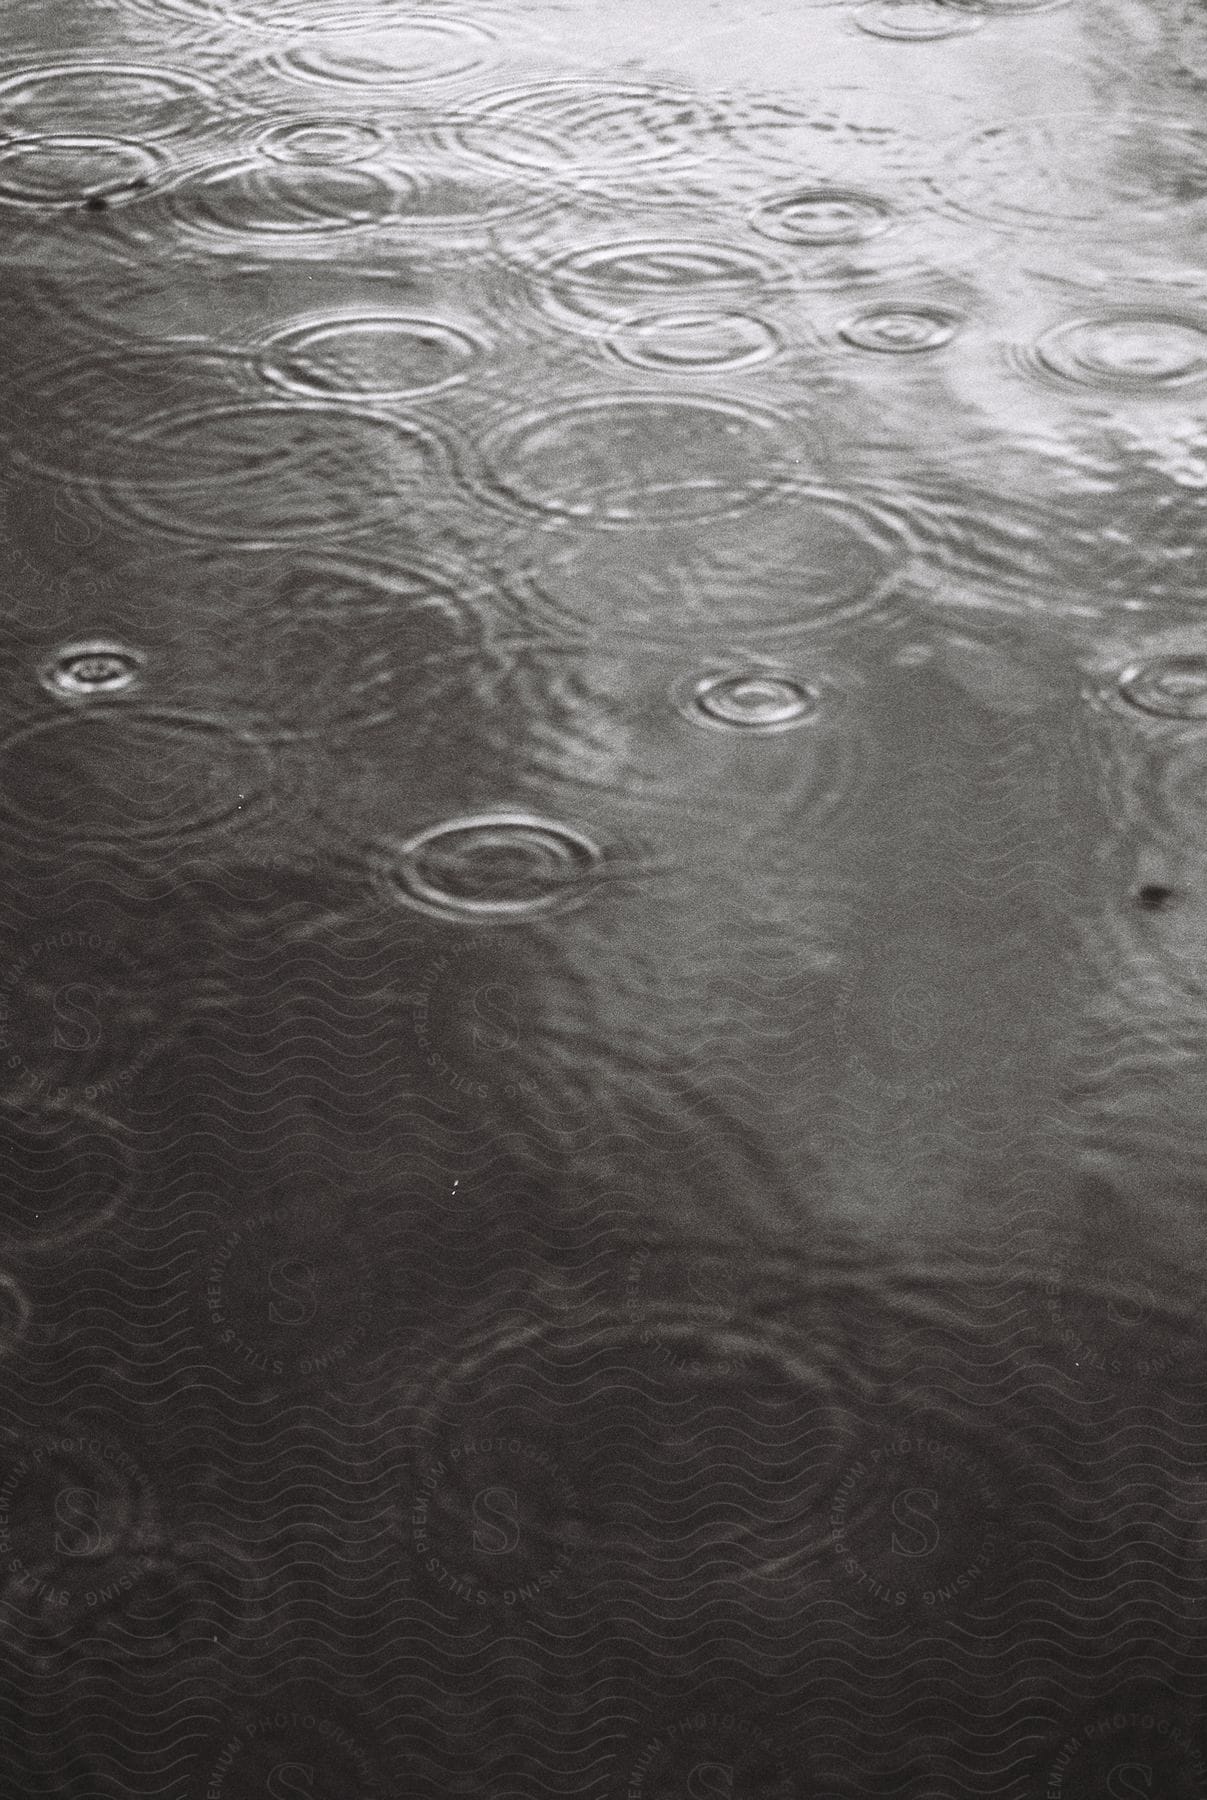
(750,700)
(84,670)
(901,330)
(822,216)
(1175,687)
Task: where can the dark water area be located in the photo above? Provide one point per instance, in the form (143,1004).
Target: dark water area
(603,753)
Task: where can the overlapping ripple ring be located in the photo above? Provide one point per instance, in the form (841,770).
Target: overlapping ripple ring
(79,420)
(1074,168)
(413,50)
(1182,785)
(591,126)
(492,867)
(626,281)
(249,201)
(322,140)
(639,459)
(847,554)
(16,1311)
(92,96)
(274,472)
(59,1137)
(683,342)
(56,172)
(380,355)
(205,773)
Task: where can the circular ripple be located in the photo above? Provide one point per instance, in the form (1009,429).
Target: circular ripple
(257,476)
(644,267)
(822,216)
(1175,687)
(1128,350)
(638,1414)
(915,21)
(401,53)
(749,700)
(493,866)
(1005,7)
(832,557)
(70,171)
(72,1494)
(331,643)
(1183,788)
(120,776)
(137,1614)
(380,356)
(258,200)
(90,97)
(901,330)
(322,141)
(1077,169)
(92,669)
(629,279)
(64,1174)
(640,459)
(610,127)
(81,419)
(16,1312)
(683,342)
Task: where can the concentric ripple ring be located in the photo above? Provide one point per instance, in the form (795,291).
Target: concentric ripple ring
(493,866)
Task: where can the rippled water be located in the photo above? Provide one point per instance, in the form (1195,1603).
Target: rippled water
(603,788)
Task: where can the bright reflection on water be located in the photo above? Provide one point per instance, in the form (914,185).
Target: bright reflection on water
(603,1071)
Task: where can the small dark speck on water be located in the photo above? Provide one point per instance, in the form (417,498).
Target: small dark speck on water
(1154,898)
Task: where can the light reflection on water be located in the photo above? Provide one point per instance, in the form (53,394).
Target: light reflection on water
(601,781)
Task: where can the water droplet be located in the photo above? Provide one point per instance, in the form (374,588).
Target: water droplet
(411,51)
(1175,687)
(822,216)
(901,330)
(1132,350)
(322,141)
(493,866)
(640,459)
(750,700)
(92,669)
(380,355)
(65,171)
(685,341)
(915,21)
